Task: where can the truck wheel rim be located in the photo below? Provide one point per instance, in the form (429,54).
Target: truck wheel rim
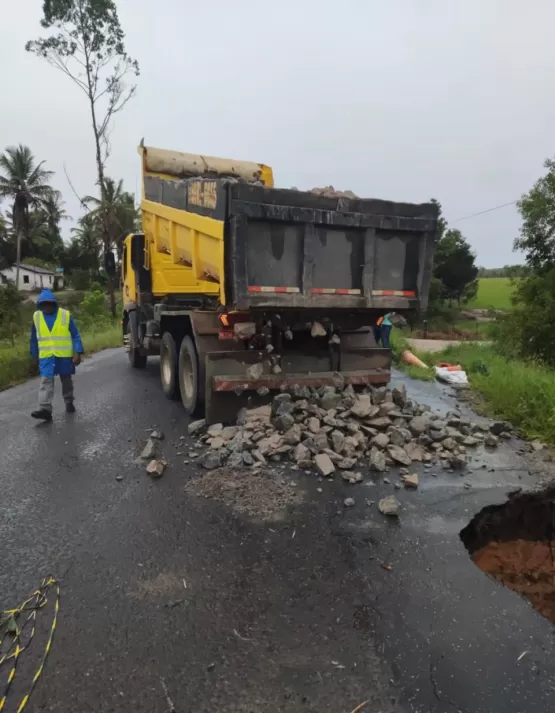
(188,384)
(165,365)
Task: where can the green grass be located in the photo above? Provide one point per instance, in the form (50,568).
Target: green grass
(493,293)
(16,364)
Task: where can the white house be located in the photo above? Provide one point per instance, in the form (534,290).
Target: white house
(32,278)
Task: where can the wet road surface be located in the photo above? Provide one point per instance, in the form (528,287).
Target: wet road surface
(235,615)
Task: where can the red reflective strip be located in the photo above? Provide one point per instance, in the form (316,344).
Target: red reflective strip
(225,334)
(342,292)
(394,293)
(317,291)
(254,289)
(281,289)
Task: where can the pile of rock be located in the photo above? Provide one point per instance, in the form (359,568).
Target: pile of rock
(330,192)
(330,429)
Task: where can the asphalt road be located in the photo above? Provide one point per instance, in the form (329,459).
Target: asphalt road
(240,616)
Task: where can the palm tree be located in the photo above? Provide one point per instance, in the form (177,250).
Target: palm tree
(54,207)
(26,183)
(116,216)
(88,238)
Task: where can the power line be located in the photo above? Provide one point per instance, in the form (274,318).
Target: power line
(489,210)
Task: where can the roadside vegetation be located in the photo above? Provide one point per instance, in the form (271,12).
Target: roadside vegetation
(513,374)
(91,311)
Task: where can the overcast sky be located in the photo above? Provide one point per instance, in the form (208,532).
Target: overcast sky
(397,99)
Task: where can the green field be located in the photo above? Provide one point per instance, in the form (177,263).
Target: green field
(493,292)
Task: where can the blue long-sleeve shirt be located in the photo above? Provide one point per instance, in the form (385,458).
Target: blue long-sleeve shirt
(52,366)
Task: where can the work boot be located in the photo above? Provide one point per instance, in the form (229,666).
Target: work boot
(42,415)
(70,408)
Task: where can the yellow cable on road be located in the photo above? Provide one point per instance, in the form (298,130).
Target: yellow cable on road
(9,627)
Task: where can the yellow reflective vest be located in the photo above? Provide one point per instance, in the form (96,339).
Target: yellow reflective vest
(55,343)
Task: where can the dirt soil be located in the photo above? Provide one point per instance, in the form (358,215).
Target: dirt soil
(514,543)
(262,496)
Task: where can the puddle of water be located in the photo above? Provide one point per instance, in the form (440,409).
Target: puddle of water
(515,543)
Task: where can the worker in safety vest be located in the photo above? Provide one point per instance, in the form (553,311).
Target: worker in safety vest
(57,346)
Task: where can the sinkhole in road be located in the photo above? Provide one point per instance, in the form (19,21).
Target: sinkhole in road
(514,543)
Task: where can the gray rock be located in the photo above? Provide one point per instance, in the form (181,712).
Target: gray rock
(491,441)
(235,460)
(458,461)
(284,421)
(399,455)
(471,441)
(396,437)
(399,394)
(317,443)
(278,400)
(156,468)
(437,435)
(349,502)
(410,481)
(196,426)
(386,409)
(415,452)
(255,371)
(380,441)
(377,460)
(381,423)
(347,463)
(263,391)
(211,460)
(362,406)
(313,424)
(149,451)
(157,435)
(330,400)
(248,458)
(229,432)
(390,506)
(500,427)
(301,453)
(324,464)
(419,425)
(293,435)
(449,444)
(337,441)
(215,429)
(350,477)
(217,443)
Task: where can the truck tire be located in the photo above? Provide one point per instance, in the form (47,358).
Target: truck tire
(168,366)
(136,358)
(190,382)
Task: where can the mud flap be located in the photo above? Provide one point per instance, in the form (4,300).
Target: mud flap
(228,388)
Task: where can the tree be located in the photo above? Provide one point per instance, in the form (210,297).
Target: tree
(87,45)
(537,234)
(10,306)
(88,242)
(455,267)
(115,212)
(26,183)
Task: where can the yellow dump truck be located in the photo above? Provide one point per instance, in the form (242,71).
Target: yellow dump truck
(243,289)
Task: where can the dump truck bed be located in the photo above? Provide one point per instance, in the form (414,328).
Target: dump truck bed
(251,246)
